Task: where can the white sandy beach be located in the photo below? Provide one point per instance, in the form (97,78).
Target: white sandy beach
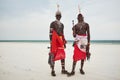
(28,61)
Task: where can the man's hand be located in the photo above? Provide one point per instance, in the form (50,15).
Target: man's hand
(87,51)
(65,42)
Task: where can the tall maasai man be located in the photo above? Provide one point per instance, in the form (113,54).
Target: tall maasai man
(81,33)
(57,41)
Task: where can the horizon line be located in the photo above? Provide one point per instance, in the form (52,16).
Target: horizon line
(94,41)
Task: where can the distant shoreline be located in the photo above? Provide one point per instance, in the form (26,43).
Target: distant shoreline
(92,41)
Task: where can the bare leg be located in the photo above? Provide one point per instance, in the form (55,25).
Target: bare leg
(63,64)
(82,64)
(53,71)
(73,69)
(63,67)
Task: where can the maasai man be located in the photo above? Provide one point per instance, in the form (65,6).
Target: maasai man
(58,42)
(81,33)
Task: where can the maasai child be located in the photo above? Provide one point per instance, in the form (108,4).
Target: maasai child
(57,42)
(81,33)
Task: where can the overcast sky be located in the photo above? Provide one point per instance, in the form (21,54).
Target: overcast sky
(30,19)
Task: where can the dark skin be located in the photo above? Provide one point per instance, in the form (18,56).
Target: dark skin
(77,29)
(58,17)
(84,30)
(56,28)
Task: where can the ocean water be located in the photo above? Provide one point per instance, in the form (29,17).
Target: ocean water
(92,41)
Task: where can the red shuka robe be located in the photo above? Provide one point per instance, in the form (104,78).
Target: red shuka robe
(78,54)
(57,46)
